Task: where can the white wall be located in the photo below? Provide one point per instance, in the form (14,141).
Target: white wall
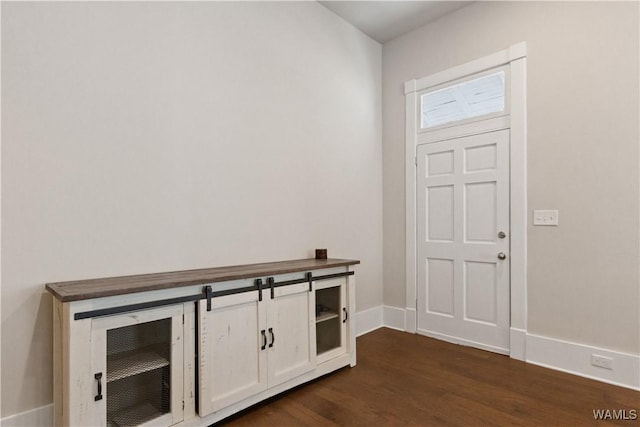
(144,137)
(583,155)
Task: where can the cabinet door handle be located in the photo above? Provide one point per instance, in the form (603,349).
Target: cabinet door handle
(264,339)
(273,337)
(346,315)
(98,378)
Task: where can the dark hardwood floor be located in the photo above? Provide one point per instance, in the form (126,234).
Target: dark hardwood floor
(409,380)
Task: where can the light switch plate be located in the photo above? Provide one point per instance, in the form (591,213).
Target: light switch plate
(545,217)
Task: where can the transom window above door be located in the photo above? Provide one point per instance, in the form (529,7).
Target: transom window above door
(478,97)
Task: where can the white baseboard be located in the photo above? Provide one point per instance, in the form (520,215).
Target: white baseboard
(40,417)
(550,353)
(369,320)
(393,317)
(575,359)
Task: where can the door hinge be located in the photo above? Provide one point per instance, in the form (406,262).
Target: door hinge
(183,405)
(416,304)
(183,319)
(415,159)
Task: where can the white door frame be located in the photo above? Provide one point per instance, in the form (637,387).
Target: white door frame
(515,58)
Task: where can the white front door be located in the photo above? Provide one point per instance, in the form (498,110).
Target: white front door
(463,240)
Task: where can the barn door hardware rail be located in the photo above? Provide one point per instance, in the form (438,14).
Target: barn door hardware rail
(308,277)
(208,294)
(135,307)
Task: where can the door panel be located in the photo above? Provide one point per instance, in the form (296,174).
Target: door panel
(291,330)
(480,212)
(440,163)
(483,157)
(232,365)
(332,317)
(440,292)
(440,213)
(480,288)
(138,359)
(462,205)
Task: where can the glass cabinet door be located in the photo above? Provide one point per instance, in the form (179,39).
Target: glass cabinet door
(137,361)
(331,319)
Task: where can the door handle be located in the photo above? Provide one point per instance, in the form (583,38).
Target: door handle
(98,378)
(502,255)
(264,339)
(346,315)
(273,337)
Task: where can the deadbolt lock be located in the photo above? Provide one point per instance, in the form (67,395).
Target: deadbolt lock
(501,235)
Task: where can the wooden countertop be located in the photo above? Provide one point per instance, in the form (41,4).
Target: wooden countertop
(97,288)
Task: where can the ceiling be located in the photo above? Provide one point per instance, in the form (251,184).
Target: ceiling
(386,20)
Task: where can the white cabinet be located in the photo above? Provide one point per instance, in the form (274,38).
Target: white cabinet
(253,340)
(190,348)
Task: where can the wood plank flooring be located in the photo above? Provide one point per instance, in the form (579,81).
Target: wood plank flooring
(409,380)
